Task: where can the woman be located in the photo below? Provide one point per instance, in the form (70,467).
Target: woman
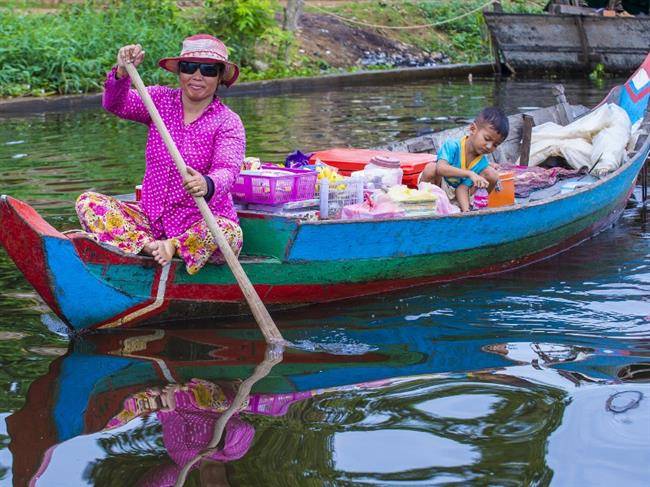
(209,136)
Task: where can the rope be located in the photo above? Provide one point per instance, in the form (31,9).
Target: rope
(405,27)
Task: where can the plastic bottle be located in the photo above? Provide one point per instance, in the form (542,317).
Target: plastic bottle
(382,172)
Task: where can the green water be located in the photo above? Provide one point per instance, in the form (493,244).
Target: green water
(507,380)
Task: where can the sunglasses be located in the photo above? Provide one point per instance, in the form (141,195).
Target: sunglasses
(210,70)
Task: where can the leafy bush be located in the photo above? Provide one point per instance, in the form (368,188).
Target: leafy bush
(69,52)
(241,24)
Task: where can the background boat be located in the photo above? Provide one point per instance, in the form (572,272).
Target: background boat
(568,39)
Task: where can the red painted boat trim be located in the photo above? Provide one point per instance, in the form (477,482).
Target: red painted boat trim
(22,233)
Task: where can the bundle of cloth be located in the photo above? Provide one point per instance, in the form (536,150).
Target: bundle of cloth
(531,179)
(596,141)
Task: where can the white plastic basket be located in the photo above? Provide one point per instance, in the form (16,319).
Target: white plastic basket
(348,191)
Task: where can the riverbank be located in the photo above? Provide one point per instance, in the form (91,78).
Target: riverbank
(31,105)
(332,38)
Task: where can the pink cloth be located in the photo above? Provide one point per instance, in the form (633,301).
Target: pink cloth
(274,404)
(214,145)
(186,434)
(532,178)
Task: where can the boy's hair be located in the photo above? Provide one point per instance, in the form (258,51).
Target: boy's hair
(496,118)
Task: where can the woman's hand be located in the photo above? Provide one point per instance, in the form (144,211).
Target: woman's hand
(194,183)
(133,54)
(478,180)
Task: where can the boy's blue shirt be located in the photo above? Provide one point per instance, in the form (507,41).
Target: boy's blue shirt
(452,151)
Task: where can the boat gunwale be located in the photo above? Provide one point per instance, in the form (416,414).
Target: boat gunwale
(641,18)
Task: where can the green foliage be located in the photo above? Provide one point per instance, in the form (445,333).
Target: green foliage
(241,24)
(68,52)
(598,73)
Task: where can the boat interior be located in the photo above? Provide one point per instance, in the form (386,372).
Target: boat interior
(510,153)
(513,152)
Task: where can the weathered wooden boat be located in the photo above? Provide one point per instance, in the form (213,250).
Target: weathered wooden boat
(295,262)
(568,39)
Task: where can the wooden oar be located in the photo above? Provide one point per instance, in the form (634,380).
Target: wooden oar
(272,356)
(261,314)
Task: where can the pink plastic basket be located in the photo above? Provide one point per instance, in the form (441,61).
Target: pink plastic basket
(274,189)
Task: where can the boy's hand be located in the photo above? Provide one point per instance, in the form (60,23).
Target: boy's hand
(478,180)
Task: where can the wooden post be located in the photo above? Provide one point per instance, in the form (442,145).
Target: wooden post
(644,129)
(494,46)
(526,133)
(644,181)
(565,111)
(292,13)
(584,42)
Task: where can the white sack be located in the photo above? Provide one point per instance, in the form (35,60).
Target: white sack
(598,136)
(636,133)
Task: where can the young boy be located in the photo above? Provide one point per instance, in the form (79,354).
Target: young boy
(462,165)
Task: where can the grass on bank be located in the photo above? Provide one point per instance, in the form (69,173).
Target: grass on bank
(67,50)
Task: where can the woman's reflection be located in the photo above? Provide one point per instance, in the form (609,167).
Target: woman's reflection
(202,427)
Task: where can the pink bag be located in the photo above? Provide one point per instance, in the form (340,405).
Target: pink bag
(372,209)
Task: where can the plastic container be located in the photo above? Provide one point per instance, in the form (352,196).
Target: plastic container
(506,196)
(333,198)
(348,160)
(273,185)
(382,172)
(480,198)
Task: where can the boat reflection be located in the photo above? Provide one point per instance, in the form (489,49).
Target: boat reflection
(204,407)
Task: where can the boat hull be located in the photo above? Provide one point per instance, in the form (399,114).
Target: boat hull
(573,43)
(91,286)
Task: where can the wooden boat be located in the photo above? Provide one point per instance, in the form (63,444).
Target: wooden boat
(295,262)
(568,39)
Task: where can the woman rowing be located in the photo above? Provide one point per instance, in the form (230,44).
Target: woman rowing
(209,136)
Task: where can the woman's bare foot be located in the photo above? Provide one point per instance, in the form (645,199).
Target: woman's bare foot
(149,248)
(163,251)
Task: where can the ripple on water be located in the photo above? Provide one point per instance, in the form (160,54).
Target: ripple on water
(613,449)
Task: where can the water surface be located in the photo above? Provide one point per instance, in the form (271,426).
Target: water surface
(534,377)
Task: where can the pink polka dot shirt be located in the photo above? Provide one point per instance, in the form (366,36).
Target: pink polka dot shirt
(214,145)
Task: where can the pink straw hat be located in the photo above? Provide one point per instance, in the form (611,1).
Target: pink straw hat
(203,48)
